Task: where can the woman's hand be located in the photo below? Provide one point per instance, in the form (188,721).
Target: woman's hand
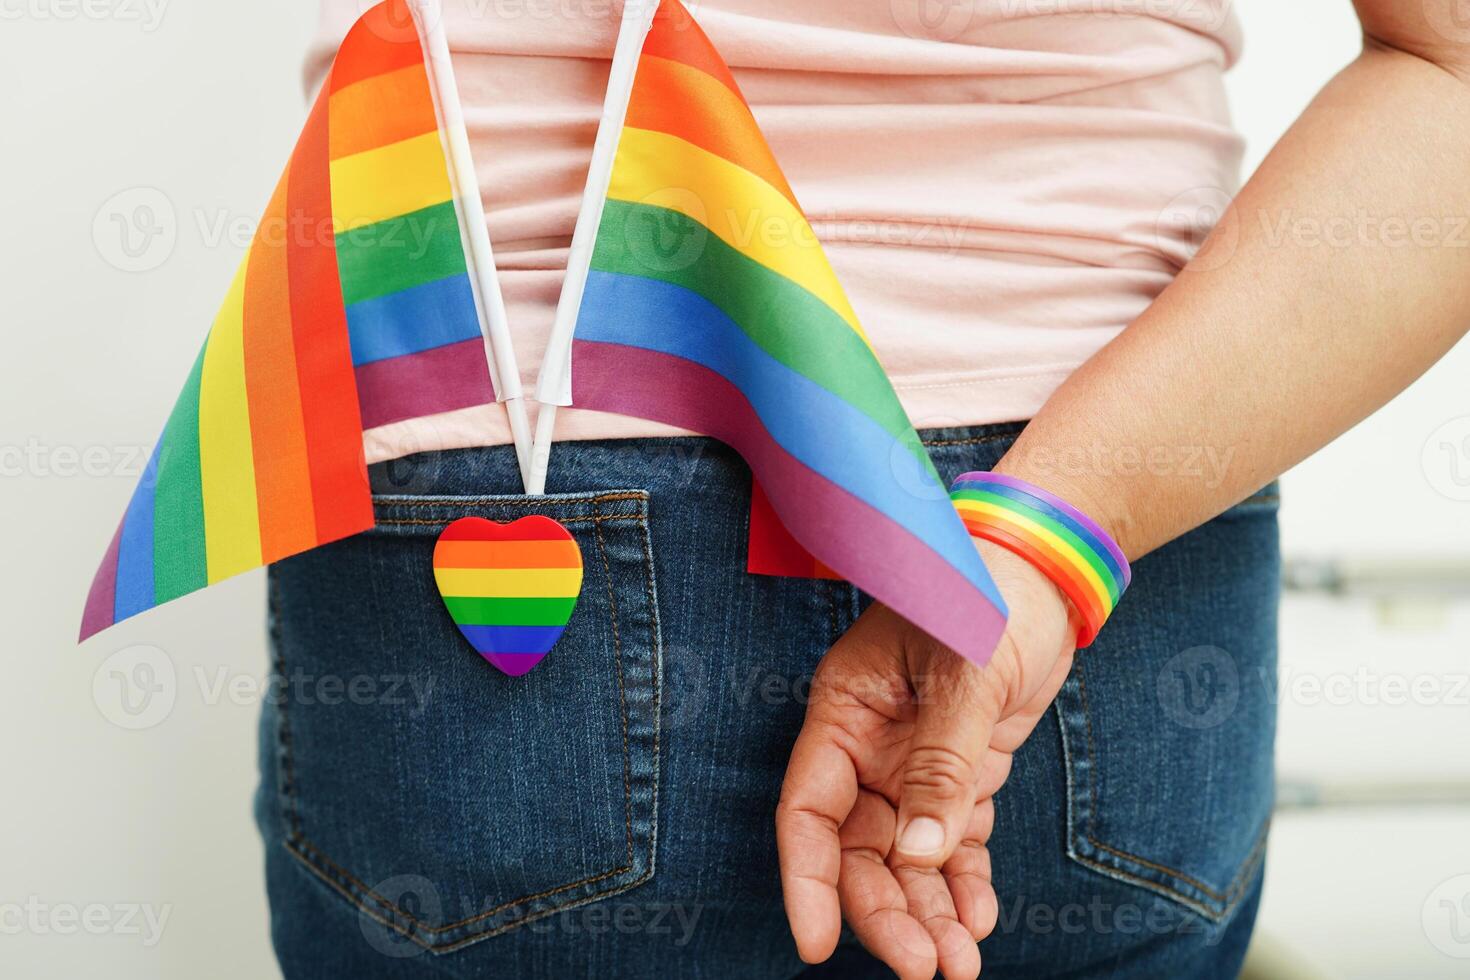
(886,807)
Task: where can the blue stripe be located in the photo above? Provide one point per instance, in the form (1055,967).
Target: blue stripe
(135,590)
(512,639)
(824,432)
(412,320)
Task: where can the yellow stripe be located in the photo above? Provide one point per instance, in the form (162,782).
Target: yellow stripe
(226,460)
(994,514)
(749,214)
(376,185)
(504,583)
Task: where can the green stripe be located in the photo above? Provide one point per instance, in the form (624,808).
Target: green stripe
(1060,530)
(471,611)
(178,510)
(786,320)
(400,253)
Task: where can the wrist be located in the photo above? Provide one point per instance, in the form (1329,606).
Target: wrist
(1080,485)
(1058,539)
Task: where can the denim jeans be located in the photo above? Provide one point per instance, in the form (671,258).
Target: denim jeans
(611,813)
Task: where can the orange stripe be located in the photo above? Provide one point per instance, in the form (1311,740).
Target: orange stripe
(1061,567)
(384,39)
(278,428)
(677,37)
(381,110)
(671,97)
(507,554)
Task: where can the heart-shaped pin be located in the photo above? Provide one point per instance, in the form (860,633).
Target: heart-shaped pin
(510,588)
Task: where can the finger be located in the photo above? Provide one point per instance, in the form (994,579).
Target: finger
(816,797)
(967,873)
(930,902)
(872,901)
(995,769)
(952,730)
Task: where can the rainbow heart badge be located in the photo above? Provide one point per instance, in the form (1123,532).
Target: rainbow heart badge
(510,588)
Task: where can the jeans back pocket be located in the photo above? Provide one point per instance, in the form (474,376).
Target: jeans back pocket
(1168,721)
(445,800)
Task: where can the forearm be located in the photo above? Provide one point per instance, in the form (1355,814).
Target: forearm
(1278,337)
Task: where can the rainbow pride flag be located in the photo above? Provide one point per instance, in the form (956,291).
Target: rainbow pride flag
(353,308)
(711,306)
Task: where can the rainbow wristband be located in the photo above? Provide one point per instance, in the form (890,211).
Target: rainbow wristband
(1060,540)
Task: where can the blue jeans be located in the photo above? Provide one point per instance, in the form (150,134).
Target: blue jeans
(611,813)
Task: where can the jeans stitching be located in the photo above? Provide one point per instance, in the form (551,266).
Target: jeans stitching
(540,503)
(612,603)
(1227,898)
(607,518)
(355,891)
(302,845)
(656,648)
(973,440)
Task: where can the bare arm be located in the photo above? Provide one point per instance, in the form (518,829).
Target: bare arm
(1340,275)
(1275,340)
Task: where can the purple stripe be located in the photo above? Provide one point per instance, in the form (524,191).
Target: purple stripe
(1063,506)
(99,611)
(514,664)
(441,379)
(857,541)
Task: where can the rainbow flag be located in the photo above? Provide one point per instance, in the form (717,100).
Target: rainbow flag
(711,306)
(353,308)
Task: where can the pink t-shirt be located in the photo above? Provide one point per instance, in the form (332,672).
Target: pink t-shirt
(1001,185)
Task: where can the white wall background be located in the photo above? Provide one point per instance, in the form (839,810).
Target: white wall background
(1359,890)
(190,108)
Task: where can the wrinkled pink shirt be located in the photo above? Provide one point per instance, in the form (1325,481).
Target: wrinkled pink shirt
(1001,185)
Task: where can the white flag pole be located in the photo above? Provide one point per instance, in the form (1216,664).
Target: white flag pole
(554,383)
(484,279)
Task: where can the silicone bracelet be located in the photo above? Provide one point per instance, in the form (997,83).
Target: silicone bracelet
(1065,544)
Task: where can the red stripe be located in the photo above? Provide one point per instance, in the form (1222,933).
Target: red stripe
(858,541)
(277,429)
(384,39)
(771,550)
(534,527)
(339,482)
(677,37)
